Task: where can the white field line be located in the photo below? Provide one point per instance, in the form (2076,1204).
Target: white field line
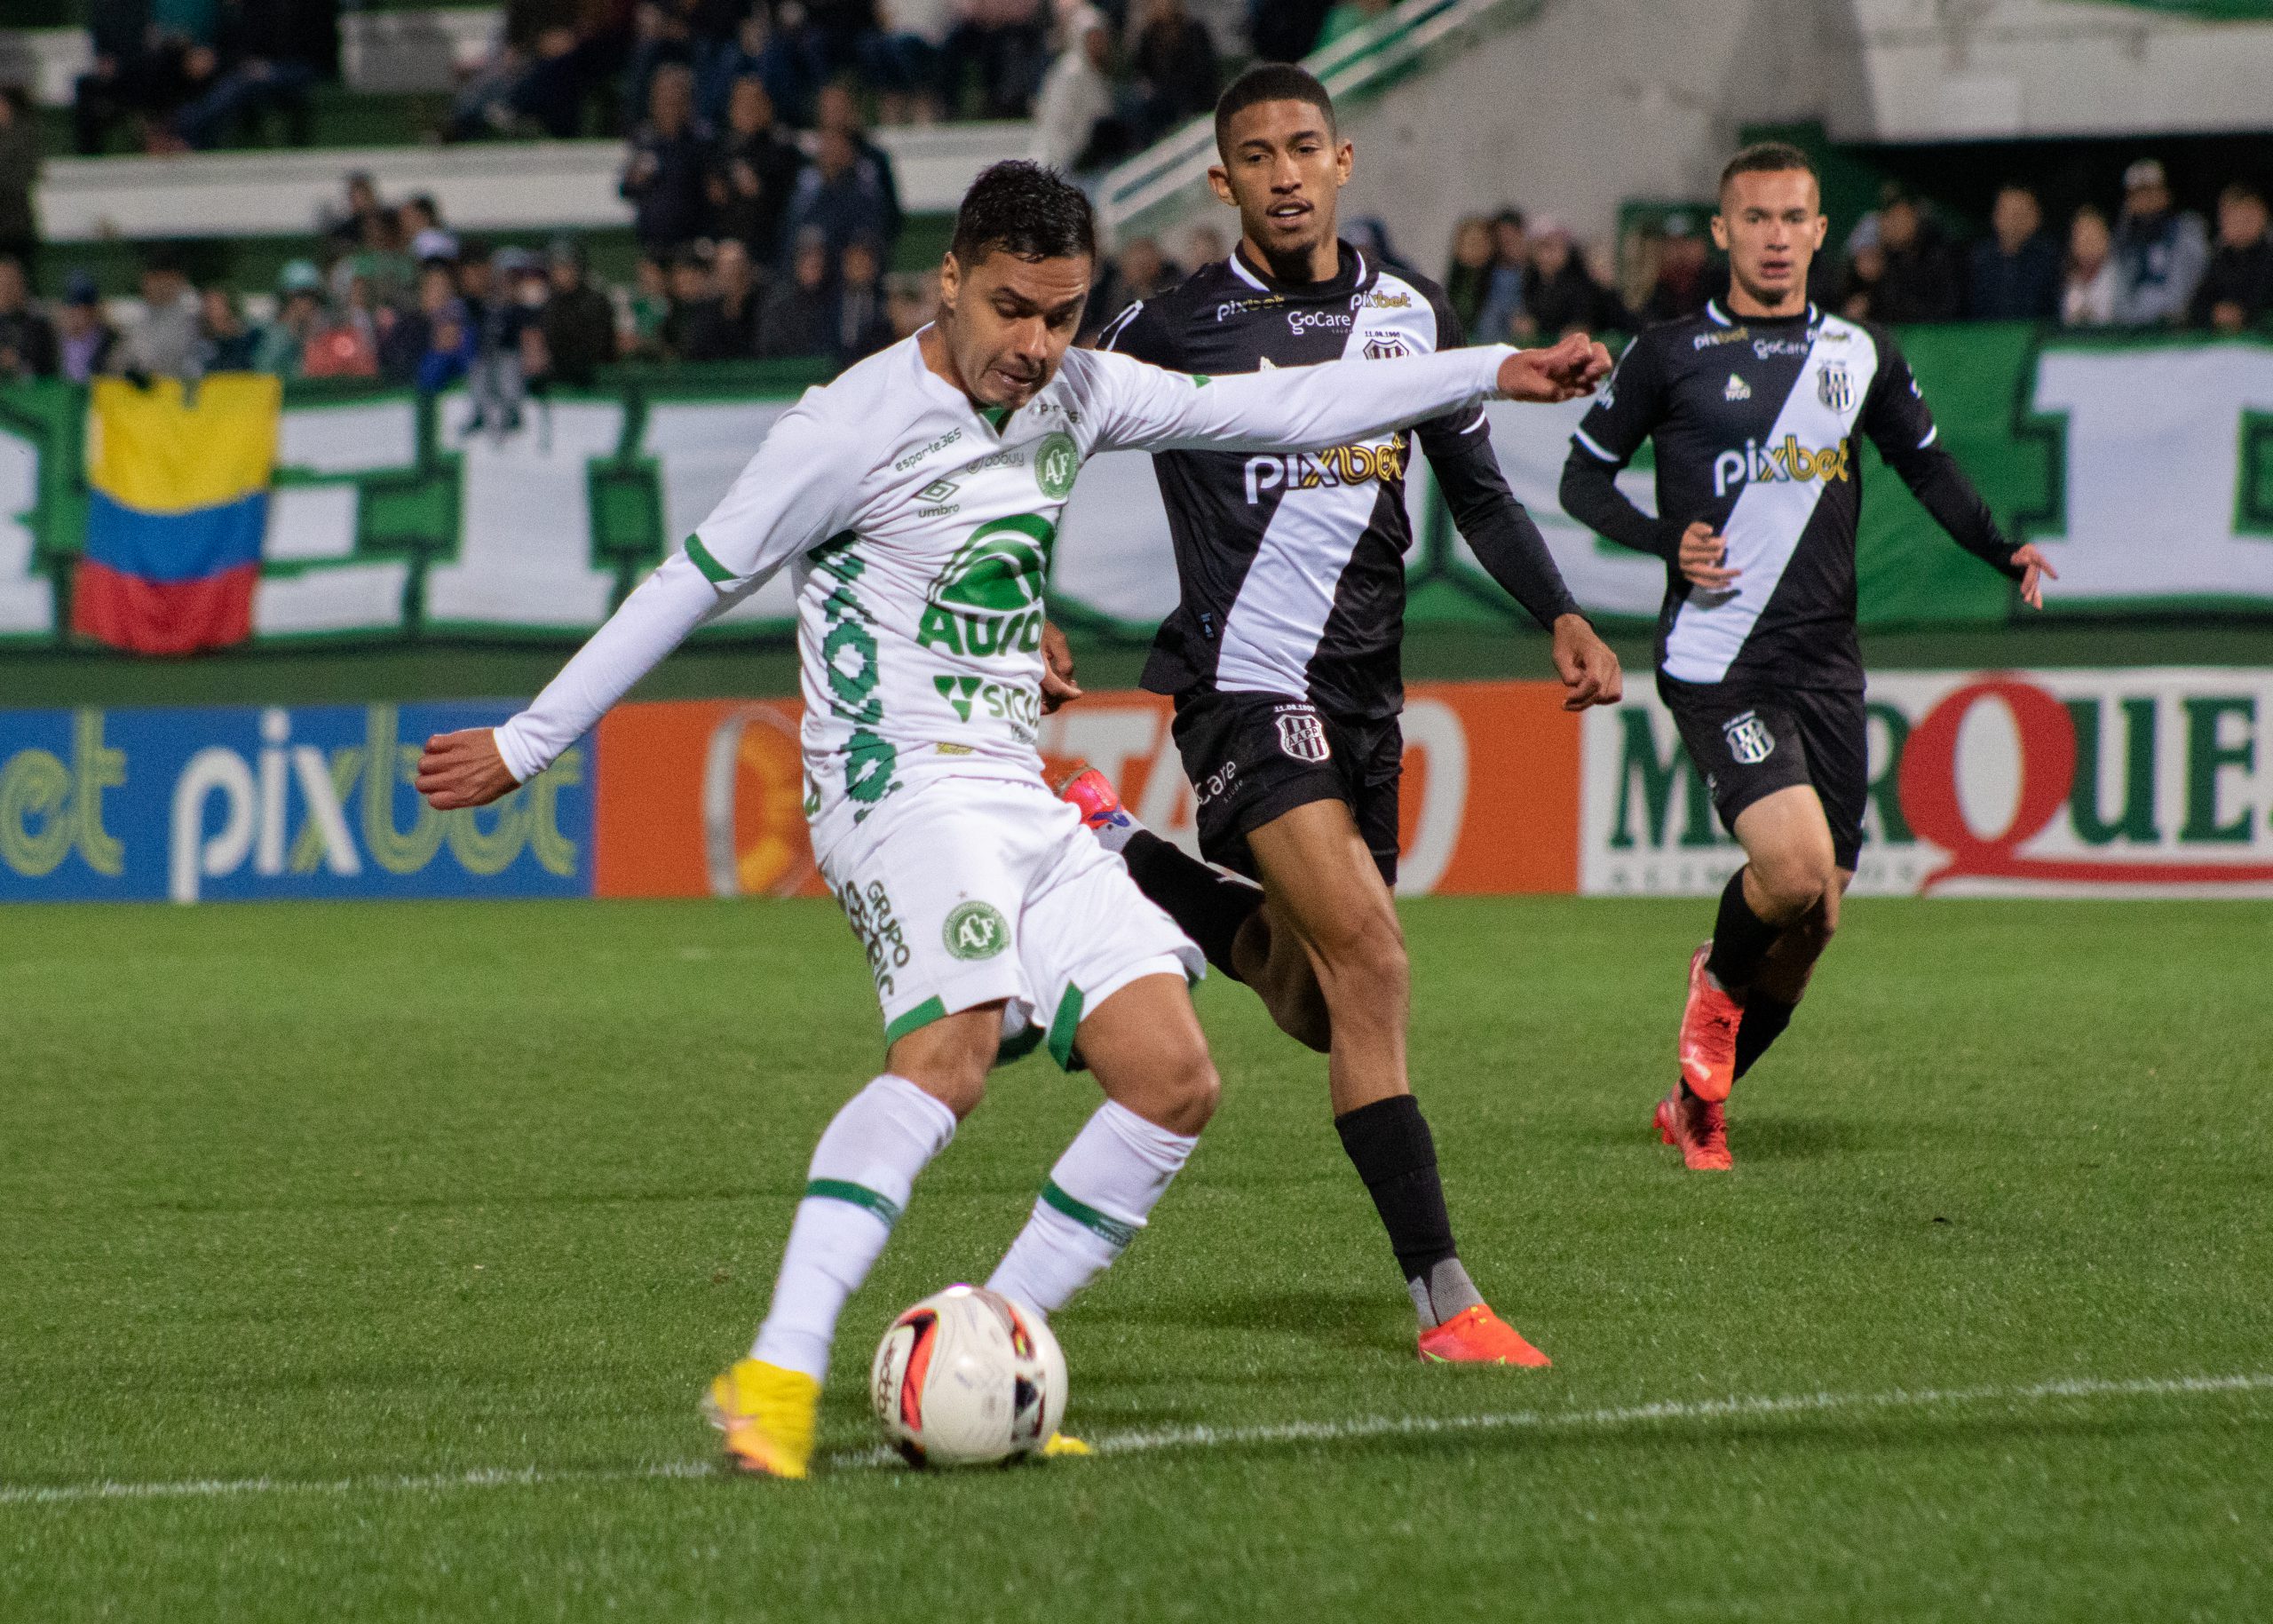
(1358,1429)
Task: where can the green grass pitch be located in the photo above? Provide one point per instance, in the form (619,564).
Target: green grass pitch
(373,1257)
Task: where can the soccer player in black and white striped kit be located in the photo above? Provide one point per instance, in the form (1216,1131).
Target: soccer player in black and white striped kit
(1754,406)
(1283,658)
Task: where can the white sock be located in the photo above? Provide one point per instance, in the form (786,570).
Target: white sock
(1099,1196)
(862,1171)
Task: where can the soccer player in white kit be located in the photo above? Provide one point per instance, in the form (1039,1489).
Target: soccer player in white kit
(915,500)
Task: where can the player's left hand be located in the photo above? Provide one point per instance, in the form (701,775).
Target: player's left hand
(1563,371)
(1057,685)
(2036,568)
(1586,664)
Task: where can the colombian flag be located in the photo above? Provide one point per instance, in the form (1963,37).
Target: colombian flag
(178,500)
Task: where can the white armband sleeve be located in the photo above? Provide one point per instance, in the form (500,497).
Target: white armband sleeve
(1290,408)
(794,494)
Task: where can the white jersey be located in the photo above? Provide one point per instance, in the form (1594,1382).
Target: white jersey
(919,530)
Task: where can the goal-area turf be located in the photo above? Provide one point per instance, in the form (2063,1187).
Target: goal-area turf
(365,1263)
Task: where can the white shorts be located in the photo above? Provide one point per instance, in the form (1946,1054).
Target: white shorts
(969,890)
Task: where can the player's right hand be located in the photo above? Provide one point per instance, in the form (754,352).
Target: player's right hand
(463,769)
(1700,558)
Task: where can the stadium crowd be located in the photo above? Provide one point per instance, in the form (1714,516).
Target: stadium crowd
(760,243)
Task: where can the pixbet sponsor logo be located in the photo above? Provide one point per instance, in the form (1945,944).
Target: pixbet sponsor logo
(1337,465)
(1785,461)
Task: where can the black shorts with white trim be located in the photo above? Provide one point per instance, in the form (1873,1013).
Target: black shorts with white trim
(1253,757)
(1750,743)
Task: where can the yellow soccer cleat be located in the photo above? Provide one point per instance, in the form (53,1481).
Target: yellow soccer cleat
(766,1413)
(1060,1443)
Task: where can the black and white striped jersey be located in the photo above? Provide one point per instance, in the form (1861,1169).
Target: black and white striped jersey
(1291,567)
(1754,422)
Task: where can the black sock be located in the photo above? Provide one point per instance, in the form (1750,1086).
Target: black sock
(1764,1020)
(1741,938)
(1210,907)
(1388,1142)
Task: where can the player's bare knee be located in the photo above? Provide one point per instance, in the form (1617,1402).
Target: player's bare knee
(1363,961)
(1182,1088)
(1795,881)
(949,1060)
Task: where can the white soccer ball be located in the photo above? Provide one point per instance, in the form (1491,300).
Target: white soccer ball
(968,1378)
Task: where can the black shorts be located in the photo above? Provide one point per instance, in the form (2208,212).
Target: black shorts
(1256,757)
(1748,744)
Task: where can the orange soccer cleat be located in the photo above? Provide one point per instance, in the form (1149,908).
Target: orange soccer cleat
(1708,1033)
(1478,1337)
(1700,1126)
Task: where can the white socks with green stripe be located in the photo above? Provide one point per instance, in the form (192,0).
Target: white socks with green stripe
(1099,1196)
(862,1171)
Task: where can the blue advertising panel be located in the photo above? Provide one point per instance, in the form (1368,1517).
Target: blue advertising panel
(262,802)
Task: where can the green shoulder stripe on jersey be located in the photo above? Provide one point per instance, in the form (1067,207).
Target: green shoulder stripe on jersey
(859,1195)
(922,1015)
(1062,1026)
(716,572)
(1114,1230)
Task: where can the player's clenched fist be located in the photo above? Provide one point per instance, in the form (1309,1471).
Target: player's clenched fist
(1563,371)
(463,769)
(1700,558)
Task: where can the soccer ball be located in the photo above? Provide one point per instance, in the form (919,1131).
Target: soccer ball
(968,1378)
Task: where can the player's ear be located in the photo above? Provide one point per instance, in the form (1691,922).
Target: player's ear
(1721,234)
(1345,156)
(1219,182)
(1822,228)
(950,281)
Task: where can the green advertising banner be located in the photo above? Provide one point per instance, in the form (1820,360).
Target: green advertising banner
(2144,466)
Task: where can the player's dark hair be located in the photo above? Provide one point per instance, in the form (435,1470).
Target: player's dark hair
(1768,158)
(1024,208)
(1269,81)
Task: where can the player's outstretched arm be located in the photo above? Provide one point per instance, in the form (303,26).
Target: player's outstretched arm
(1308,408)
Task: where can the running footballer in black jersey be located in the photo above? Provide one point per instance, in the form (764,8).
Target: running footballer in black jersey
(1282,656)
(1756,407)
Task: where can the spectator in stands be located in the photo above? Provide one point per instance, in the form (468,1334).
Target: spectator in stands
(647,308)
(837,109)
(690,290)
(1005,43)
(753,174)
(1140,270)
(2160,253)
(533,82)
(1920,282)
(1176,73)
(1347,17)
(279,346)
(450,344)
(1679,290)
(800,314)
(670,158)
(403,345)
(2090,287)
(83,338)
(1863,276)
(863,323)
(164,342)
(723,325)
(900,57)
(2016,271)
(1467,279)
(1561,294)
(1074,120)
(2236,290)
(27,337)
(838,197)
(263,59)
(1285,30)
(226,344)
(579,319)
(782,53)
(102,97)
(1504,281)
(20,166)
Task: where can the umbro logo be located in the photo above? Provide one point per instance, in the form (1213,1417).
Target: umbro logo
(937,490)
(1737,389)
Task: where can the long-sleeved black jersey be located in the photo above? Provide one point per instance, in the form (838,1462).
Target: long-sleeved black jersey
(1291,567)
(1754,421)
